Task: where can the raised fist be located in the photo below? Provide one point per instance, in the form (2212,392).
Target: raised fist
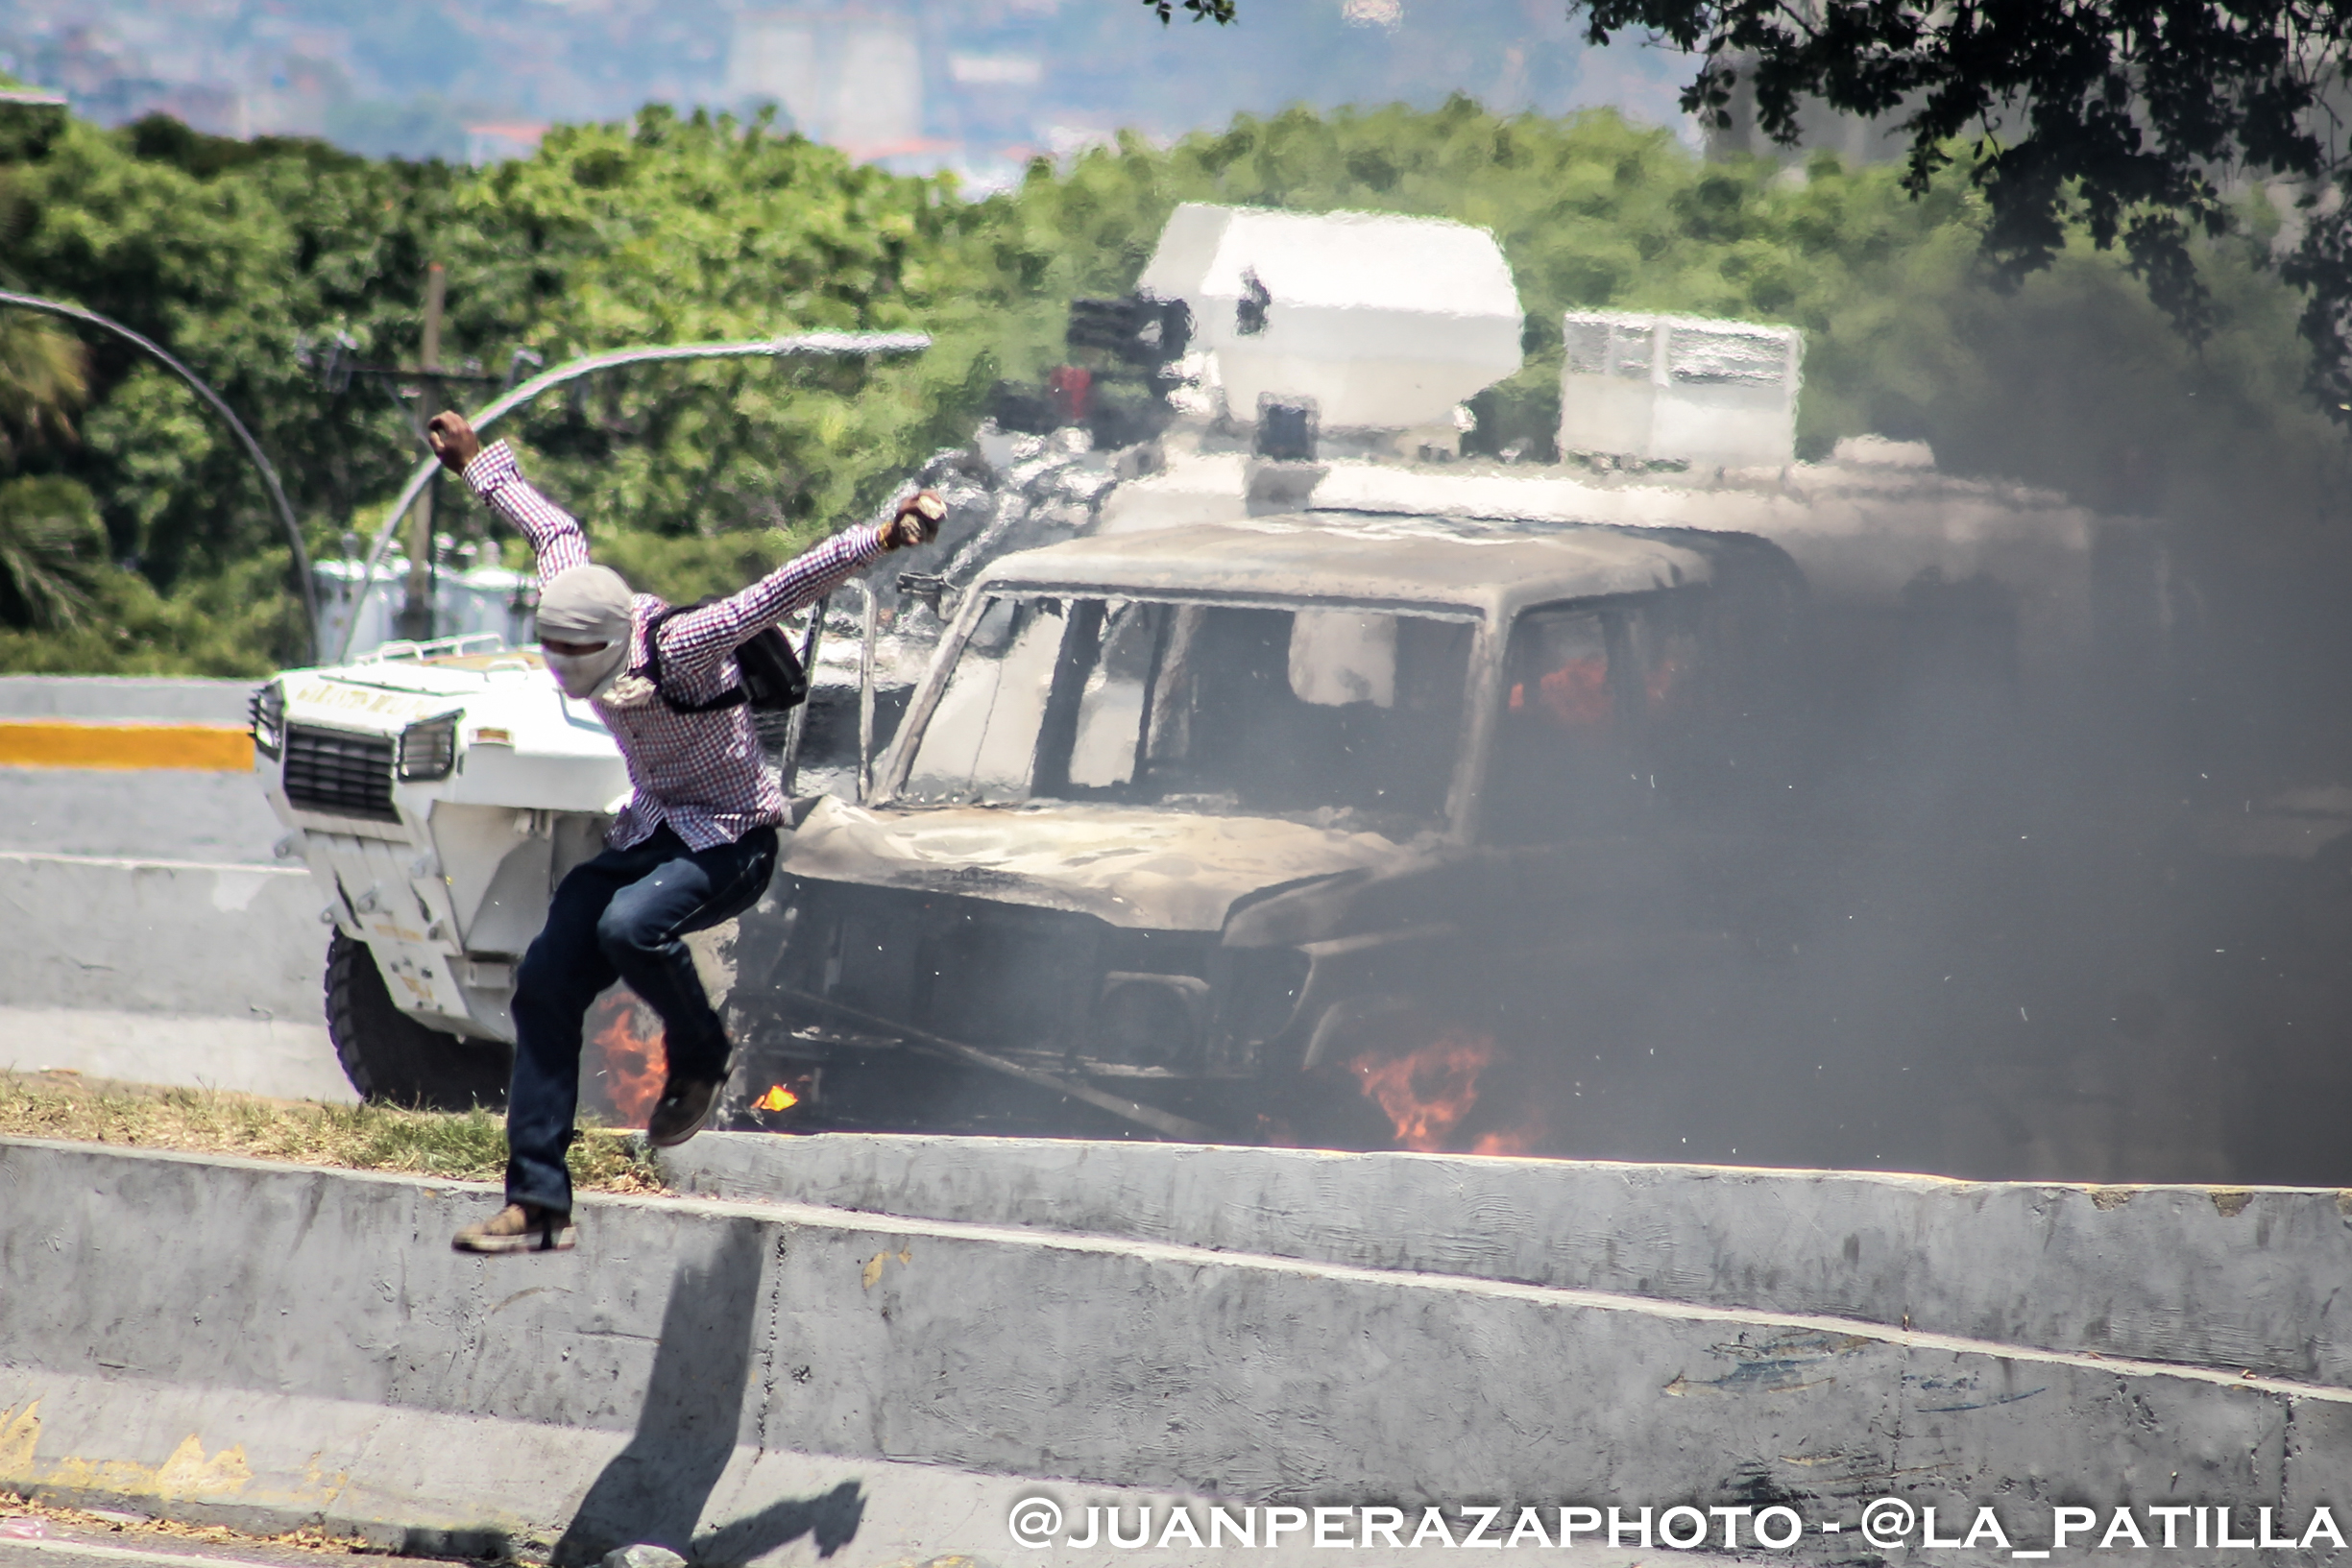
(452,437)
(917,521)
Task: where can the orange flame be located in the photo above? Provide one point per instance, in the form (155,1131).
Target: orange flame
(1574,695)
(1521,1136)
(776,1099)
(1426,1092)
(634,1065)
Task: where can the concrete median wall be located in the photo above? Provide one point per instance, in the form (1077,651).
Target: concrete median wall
(162,936)
(352,1369)
(167,963)
(2246,1279)
(164,971)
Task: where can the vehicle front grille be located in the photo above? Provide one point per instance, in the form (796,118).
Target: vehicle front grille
(1001,976)
(337,771)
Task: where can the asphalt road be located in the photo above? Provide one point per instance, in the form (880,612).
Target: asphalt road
(155,1552)
(87,1542)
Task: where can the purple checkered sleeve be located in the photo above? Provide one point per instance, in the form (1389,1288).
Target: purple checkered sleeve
(703,774)
(554,533)
(695,641)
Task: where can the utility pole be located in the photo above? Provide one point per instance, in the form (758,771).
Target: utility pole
(417,614)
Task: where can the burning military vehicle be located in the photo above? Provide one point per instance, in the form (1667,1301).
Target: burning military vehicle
(1188,814)
(1257,768)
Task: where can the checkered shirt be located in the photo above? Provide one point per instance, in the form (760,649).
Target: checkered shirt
(701,773)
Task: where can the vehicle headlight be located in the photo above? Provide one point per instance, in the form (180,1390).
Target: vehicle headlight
(428,749)
(1264,990)
(266,713)
(1150,1021)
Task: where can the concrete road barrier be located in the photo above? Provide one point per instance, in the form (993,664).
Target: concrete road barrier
(2243,1279)
(162,936)
(151,814)
(167,964)
(279,1343)
(165,972)
(246,1055)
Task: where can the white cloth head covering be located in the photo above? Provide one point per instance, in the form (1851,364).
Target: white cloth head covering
(588,604)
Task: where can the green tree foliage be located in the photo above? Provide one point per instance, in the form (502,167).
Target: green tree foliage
(681,231)
(43,382)
(2122,119)
(261,263)
(52,549)
(222,626)
(264,265)
(65,608)
(228,256)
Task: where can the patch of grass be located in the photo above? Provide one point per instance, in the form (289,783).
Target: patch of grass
(468,1145)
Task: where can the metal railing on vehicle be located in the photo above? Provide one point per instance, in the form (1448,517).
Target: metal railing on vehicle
(440,647)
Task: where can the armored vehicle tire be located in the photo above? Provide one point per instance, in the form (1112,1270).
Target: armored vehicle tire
(390,1058)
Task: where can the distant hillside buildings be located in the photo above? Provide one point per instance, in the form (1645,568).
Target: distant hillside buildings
(976,85)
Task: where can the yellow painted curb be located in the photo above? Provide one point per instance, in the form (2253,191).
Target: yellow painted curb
(213,748)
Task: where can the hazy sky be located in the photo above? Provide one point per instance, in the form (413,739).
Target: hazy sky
(984,77)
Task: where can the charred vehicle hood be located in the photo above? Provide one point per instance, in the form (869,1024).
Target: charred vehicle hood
(1154,870)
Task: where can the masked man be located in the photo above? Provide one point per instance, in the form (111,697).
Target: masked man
(693,846)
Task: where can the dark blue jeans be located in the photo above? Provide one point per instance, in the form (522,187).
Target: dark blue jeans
(618,917)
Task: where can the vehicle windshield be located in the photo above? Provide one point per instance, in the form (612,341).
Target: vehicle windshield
(1342,716)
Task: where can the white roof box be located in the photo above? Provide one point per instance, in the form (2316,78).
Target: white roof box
(1680,388)
(1387,322)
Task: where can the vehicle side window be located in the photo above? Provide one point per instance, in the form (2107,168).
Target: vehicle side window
(1587,690)
(1293,711)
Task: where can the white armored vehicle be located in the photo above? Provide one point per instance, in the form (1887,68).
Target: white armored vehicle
(436,792)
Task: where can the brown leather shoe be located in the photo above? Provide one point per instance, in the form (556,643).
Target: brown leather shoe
(685,1109)
(519,1227)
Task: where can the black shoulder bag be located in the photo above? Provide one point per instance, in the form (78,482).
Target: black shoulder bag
(772,681)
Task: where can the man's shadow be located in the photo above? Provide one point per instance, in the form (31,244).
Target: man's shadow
(654,1491)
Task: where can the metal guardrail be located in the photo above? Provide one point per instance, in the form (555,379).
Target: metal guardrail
(440,647)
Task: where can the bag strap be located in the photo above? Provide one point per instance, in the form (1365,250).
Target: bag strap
(735,696)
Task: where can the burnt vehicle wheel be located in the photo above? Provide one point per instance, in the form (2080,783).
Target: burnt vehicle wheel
(390,1058)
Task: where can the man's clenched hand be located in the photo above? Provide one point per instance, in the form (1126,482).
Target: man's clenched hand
(917,521)
(452,437)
